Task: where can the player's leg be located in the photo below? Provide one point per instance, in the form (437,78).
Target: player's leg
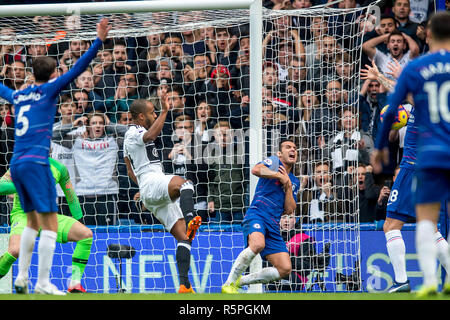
(256,242)
(27,242)
(430,188)
(183,255)
(184,189)
(18,224)
(73,231)
(395,246)
(10,256)
(282,267)
(427,218)
(46,247)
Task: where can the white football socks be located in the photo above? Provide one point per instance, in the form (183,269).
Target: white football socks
(427,251)
(240,265)
(46,249)
(265,275)
(443,253)
(27,242)
(396,249)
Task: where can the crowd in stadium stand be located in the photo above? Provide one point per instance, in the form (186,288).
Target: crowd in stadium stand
(310,92)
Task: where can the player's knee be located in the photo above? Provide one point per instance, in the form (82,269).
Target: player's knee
(284,270)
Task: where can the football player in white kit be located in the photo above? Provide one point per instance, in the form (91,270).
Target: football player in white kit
(159,192)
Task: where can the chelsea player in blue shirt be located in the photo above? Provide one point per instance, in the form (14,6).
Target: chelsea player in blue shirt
(35,109)
(275,195)
(428,80)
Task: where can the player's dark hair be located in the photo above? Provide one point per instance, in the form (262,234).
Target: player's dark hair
(440,25)
(137,107)
(43,68)
(280,145)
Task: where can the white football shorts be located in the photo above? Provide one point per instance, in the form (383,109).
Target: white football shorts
(154,190)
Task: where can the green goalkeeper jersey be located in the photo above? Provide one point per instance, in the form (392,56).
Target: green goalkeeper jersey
(62,178)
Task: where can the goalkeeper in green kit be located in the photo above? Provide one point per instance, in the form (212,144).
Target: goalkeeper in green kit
(69,229)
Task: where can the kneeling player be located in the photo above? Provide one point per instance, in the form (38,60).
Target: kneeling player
(159,192)
(69,229)
(276,193)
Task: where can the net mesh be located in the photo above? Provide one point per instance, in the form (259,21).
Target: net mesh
(199,63)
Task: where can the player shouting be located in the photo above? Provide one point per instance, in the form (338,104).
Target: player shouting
(275,195)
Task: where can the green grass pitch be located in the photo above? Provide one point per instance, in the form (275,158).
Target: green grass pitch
(227,297)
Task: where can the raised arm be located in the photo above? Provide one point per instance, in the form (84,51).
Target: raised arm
(80,66)
(6,93)
(369,47)
(154,131)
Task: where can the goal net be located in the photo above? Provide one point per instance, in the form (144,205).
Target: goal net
(199,63)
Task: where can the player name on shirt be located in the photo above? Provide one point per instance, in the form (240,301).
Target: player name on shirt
(36,96)
(435,68)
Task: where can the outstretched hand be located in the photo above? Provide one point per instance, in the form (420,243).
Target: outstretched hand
(103,28)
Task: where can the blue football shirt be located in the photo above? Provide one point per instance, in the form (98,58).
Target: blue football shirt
(269,194)
(35,109)
(428,79)
(409,158)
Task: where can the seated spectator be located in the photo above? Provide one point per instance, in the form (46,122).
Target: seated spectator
(126,93)
(396,45)
(226,184)
(95,154)
(318,201)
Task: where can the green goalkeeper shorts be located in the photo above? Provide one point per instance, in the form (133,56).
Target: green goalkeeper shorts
(65,223)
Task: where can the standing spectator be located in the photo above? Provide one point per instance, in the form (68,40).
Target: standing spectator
(96,155)
(402,11)
(368,193)
(15,75)
(349,146)
(317,201)
(204,122)
(226,47)
(72,54)
(396,44)
(181,154)
(226,185)
(219,92)
(323,66)
(107,85)
(67,111)
(81,99)
(126,93)
(85,82)
(372,100)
